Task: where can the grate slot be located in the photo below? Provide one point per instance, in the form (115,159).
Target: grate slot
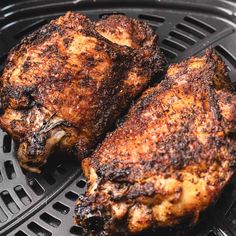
(168,53)
(106,14)
(72,196)
(153,26)
(6,143)
(38,230)
(9,202)
(9,169)
(81,184)
(211,233)
(182,37)
(226,54)
(200,24)
(20,233)
(29,29)
(1,179)
(22,195)
(190,30)
(35,186)
(63,209)
(231,215)
(3,216)
(61,170)
(51,220)
(48,177)
(76,230)
(153,18)
(174,45)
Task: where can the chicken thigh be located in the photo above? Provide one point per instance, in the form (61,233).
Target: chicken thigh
(66,84)
(171,157)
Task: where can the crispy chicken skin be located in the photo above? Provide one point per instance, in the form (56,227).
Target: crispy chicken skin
(170,158)
(67,83)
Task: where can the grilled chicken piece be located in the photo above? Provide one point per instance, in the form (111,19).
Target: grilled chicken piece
(65,85)
(170,158)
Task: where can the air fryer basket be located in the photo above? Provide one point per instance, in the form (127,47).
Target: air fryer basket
(44,204)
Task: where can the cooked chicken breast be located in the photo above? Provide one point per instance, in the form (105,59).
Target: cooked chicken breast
(170,158)
(66,84)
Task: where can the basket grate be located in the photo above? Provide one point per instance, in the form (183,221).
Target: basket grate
(44,204)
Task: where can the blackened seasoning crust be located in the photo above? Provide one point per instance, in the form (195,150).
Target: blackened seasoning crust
(71,70)
(170,158)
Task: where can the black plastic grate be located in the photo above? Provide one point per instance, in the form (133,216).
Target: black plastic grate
(44,204)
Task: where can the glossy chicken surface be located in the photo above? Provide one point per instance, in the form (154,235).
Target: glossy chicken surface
(171,157)
(66,84)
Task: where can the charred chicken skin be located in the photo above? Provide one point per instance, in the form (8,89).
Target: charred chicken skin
(66,84)
(170,158)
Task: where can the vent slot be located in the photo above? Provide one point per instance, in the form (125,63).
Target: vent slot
(10,171)
(29,29)
(50,180)
(191,30)
(168,53)
(76,230)
(174,45)
(3,216)
(226,54)
(182,37)
(38,230)
(22,195)
(35,186)
(153,18)
(63,209)
(21,233)
(153,26)
(211,233)
(1,179)
(200,24)
(61,170)
(104,15)
(81,184)
(72,196)
(11,205)
(231,215)
(54,222)
(6,143)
